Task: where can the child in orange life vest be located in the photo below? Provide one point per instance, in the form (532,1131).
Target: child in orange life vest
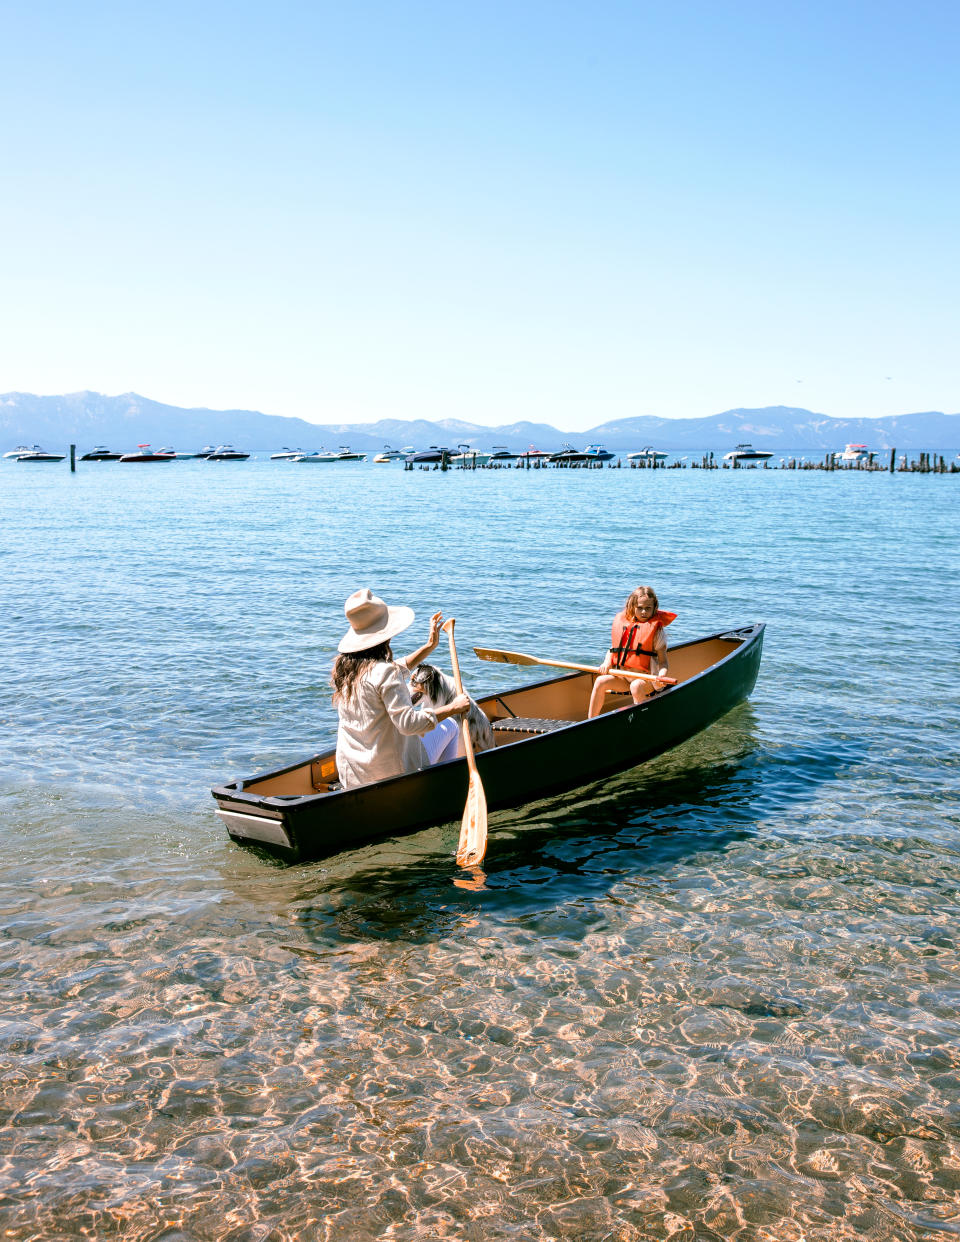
(637,642)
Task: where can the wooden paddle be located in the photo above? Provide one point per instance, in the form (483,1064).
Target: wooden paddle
(473,830)
(517,657)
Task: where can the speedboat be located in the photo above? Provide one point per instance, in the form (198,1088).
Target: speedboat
(226,452)
(853,452)
(145,453)
(101,454)
(746,452)
(428,456)
(502,453)
(647,454)
(207,450)
(287,454)
(39,454)
(392,454)
(533,454)
(343,454)
(569,456)
(469,457)
(23,448)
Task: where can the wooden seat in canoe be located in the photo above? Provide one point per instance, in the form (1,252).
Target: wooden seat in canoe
(529,724)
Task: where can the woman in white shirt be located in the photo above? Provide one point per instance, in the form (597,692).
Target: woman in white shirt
(381,733)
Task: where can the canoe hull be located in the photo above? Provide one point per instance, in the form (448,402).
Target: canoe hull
(322,824)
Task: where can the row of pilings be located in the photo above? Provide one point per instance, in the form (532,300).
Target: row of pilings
(922,463)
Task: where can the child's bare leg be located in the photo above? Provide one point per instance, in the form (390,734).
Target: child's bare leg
(638,689)
(600,688)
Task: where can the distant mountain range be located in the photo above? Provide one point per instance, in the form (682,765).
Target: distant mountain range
(89,418)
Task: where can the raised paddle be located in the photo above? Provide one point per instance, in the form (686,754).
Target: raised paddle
(517,657)
(473,830)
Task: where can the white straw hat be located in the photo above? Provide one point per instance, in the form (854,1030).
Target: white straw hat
(372,621)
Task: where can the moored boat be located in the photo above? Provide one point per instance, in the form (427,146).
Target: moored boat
(17,452)
(392,454)
(145,453)
(39,454)
(746,452)
(544,745)
(647,454)
(99,453)
(324,458)
(853,453)
(533,454)
(286,454)
(500,452)
(469,457)
(225,452)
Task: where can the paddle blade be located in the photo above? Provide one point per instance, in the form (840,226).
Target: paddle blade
(473,830)
(503,657)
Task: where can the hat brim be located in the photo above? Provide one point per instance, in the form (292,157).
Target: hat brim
(399,619)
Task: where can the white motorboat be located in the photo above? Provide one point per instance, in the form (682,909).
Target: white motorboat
(226,452)
(853,452)
(468,457)
(534,454)
(343,454)
(392,454)
(18,452)
(647,454)
(746,452)
(39,454)
(100,453)
(145,453)
(287,454)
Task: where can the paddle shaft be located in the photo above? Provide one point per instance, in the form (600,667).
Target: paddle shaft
(630,673)
(473,829)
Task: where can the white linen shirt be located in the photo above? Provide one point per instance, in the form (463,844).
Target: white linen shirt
(380,729)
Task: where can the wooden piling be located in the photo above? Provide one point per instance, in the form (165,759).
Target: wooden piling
(73,459)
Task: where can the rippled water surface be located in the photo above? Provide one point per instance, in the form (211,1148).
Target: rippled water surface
(713,998)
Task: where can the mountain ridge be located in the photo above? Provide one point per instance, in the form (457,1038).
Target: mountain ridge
(87,418)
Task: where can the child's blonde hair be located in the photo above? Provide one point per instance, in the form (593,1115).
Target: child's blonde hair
(642,592)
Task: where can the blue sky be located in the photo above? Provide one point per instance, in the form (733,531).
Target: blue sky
(491,211)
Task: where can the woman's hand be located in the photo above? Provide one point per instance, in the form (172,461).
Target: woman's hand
(456,707)
(435,622)
(607,663)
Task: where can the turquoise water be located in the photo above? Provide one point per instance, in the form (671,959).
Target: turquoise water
(714,998)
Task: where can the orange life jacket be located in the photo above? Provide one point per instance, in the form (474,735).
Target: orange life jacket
(631,642)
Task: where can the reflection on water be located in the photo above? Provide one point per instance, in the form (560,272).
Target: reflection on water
(713,998)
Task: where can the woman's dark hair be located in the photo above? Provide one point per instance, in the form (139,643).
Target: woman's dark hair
(350,666)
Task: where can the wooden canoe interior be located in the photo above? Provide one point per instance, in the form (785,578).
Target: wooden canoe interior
(564,699)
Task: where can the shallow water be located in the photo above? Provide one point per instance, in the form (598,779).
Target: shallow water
(713,998)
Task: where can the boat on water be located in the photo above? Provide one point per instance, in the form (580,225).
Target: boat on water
(145,453)
(13,454)
(39,454)
(853,453)
(430,456)
(534,454)
(500,452)
(207,450)
(746,452)
(570,456)
(226,452)
(647,454)
(544,745)
(287,454)
(342,454)
(101,454)
(470,457)
(392,454)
